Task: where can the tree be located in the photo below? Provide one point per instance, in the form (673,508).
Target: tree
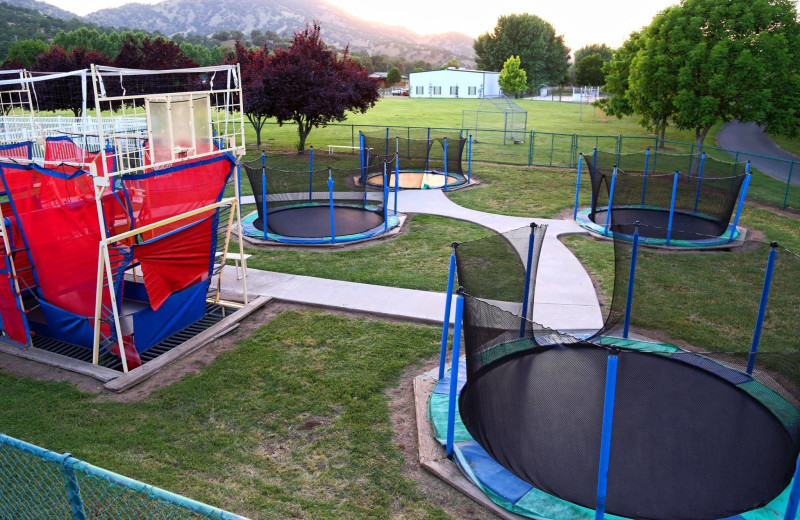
(310,85)
(418,69)
(589,71)
(393,76)
(256,99)
(451,63)
(617,71)
(25,51)
(512,78)
(602,49)
(542,54)
(65,93)
(156,53)
(706,62)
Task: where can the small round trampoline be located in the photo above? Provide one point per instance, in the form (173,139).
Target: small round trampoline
(314,207)
(674,209)
(416,164)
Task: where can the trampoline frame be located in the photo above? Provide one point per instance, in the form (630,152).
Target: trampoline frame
(583,217)
(450,384)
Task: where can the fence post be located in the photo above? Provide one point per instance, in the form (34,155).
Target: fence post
(73,489)
(552,147)
(762,307)
(788,183)
(353,138)
(530,149)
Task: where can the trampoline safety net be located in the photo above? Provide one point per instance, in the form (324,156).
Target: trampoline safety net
(695,436)
(416,154)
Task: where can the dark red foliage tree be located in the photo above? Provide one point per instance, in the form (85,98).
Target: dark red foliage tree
(152,53)
(256,102)
(310,85)
(65,93)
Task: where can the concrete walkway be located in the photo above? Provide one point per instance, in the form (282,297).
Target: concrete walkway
(565,297)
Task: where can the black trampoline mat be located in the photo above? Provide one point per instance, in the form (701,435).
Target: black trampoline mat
(315,221)
(686,444)
(654,223)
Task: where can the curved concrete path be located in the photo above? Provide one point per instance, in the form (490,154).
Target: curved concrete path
(749,138)
(565,296)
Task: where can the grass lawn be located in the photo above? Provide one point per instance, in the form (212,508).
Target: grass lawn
(293,423)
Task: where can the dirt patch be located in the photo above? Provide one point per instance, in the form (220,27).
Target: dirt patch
(404,423)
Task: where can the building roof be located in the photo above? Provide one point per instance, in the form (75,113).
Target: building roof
(453,69)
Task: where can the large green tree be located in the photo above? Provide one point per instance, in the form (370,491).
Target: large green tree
(393,76)
(542,53)
(24,52)
(602,49)
(705,62)
(512,78)
(589,71)
(617,71)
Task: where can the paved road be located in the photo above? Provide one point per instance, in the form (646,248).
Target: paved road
(751,139)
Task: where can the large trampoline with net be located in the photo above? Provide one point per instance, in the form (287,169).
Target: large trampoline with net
(433,162)
(315,207)
(689,208)
(600,424)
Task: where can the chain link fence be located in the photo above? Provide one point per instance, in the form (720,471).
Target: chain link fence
(36,483)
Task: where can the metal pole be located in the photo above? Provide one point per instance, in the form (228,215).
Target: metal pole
(444,141)
(451,274)
(788,183)
(469,161)
(605,440)
(311,171)
(594,158)
(699,181)
(387,142)
(526,289)
(530,149)
(361,157)
(631,277)
(610,201)
(428,151)
(672,205)
(396,179)
(552,147)
(577,187)
(762,307)
(73,489)
(745,186)
(330,203)
(451,405)
(644,179)
(794,495)
(385,199)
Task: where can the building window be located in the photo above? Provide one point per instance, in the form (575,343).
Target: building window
(420,90)
(472,90)
(454,91)
(437,91)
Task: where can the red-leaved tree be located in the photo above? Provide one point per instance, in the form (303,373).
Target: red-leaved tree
(65,93)
(310,85)
(255,100)
(152,53)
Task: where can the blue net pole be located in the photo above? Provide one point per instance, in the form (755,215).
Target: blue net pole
(605,439)
(469,161)
(794,495)
(445,163)
(610,201)
(631,276)
(263,196)
(385,200)
(699,181)
(428,152)
(361,156)
(526,289)
(577,187)
(330,204)
(762,307)
(310,171)
(644,179)
(740,206)
(365,167)
(672,205)
(447,304)
(451,405)
(396,179)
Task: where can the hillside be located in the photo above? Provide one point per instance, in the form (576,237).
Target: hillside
(339,27)
(20,23)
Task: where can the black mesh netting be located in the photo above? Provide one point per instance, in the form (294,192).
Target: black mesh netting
(694,435)
(426,154)
(298,202)
(704,199)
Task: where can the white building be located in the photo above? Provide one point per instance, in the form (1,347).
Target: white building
(454,83)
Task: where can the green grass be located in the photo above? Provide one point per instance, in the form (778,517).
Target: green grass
(416,260)
(292,423)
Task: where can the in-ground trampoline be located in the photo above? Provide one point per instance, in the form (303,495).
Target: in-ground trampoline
(678,200)
(427,163)
(558,426)
(314,207)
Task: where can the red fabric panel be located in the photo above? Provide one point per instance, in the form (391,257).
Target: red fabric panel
(63,150)
(16,152)
(131,354)
(176,261)
(13,319)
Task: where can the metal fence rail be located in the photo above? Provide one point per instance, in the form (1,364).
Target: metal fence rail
(36,483)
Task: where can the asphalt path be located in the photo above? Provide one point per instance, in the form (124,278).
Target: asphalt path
(751,141)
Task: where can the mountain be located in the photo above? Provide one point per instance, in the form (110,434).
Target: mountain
(339,27)
(43,8)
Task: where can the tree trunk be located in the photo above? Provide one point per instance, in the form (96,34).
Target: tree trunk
(663,132)
(302,133)
(700,134)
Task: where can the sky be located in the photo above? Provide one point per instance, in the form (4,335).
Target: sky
(580,21)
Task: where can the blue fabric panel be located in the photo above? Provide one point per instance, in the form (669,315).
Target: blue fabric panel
(492,475)
(135,291)
(64,326)
(732,376)
(178,312)
(443,387)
